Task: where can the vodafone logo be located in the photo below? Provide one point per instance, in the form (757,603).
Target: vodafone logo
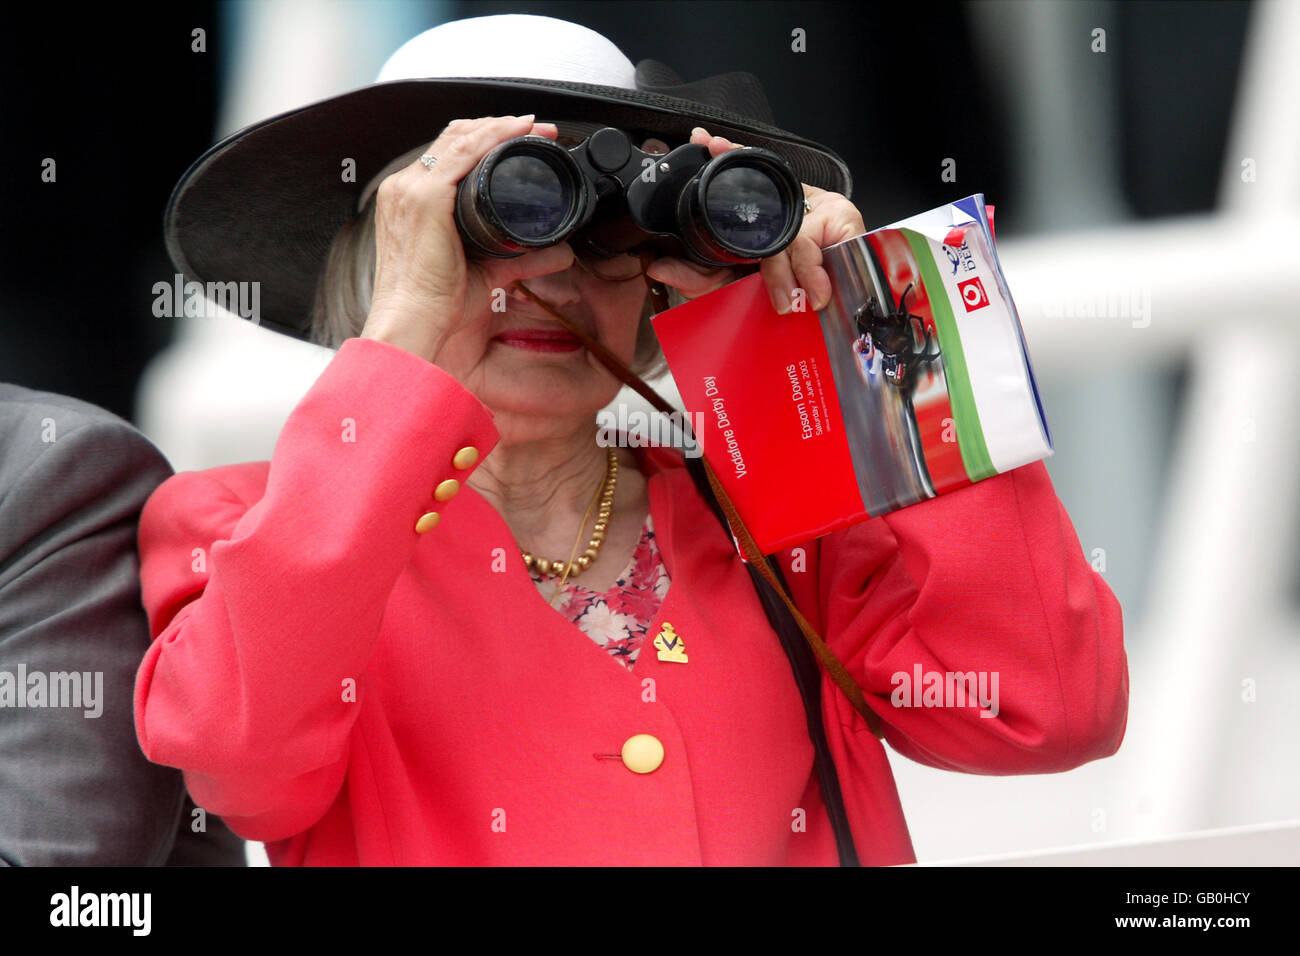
(973,295)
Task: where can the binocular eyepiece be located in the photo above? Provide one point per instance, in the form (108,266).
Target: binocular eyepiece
(609,198)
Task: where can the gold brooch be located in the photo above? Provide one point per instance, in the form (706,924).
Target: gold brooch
(670,645)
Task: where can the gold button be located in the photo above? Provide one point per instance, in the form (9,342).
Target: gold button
(465,457)
(446,490)
(427,522)
(643,753)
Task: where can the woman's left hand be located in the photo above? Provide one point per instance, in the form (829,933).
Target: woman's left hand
(799,266)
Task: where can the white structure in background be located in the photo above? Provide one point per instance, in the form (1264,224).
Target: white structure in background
(1218,291)
(1213,718)
(1268,844)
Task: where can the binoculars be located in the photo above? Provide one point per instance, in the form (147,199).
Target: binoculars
(609,198)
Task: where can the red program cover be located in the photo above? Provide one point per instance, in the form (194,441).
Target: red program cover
(913,381)
(773,432)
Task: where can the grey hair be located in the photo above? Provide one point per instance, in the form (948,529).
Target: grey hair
(348,281)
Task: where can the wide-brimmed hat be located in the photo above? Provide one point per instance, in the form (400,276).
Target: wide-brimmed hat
(264,204)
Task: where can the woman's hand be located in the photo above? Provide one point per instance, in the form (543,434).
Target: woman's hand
(799,266)
(425,289)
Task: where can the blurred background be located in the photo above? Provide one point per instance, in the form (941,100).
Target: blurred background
(1144,159)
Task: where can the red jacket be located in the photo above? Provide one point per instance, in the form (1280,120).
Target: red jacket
(350,690)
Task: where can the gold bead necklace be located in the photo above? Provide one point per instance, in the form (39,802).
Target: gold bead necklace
(575,566)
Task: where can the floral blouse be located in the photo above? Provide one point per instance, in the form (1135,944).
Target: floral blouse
(619,618)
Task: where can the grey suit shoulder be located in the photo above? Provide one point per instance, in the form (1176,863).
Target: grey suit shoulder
(76,789)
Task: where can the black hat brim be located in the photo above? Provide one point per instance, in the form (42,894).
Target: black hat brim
(265,204)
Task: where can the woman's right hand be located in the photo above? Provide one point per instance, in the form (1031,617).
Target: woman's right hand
(425,289)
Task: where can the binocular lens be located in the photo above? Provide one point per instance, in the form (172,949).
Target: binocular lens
(529,196)
(746,209)
(531,192)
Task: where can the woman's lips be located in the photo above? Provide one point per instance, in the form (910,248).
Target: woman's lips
(539,340)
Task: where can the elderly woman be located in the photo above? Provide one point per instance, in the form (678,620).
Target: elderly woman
(363,651)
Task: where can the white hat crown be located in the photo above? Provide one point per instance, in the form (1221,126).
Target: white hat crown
(512,44)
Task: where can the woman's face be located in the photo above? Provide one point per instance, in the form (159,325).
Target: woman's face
(538,379)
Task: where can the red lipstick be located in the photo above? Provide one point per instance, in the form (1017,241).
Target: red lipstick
(539,340)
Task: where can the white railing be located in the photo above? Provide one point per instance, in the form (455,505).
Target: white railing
(1213,725)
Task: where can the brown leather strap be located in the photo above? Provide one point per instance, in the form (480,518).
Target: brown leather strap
(748,547)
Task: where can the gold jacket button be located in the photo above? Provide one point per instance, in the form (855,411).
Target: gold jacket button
(446,490)
(643,753)
(427,522)
(466,457)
